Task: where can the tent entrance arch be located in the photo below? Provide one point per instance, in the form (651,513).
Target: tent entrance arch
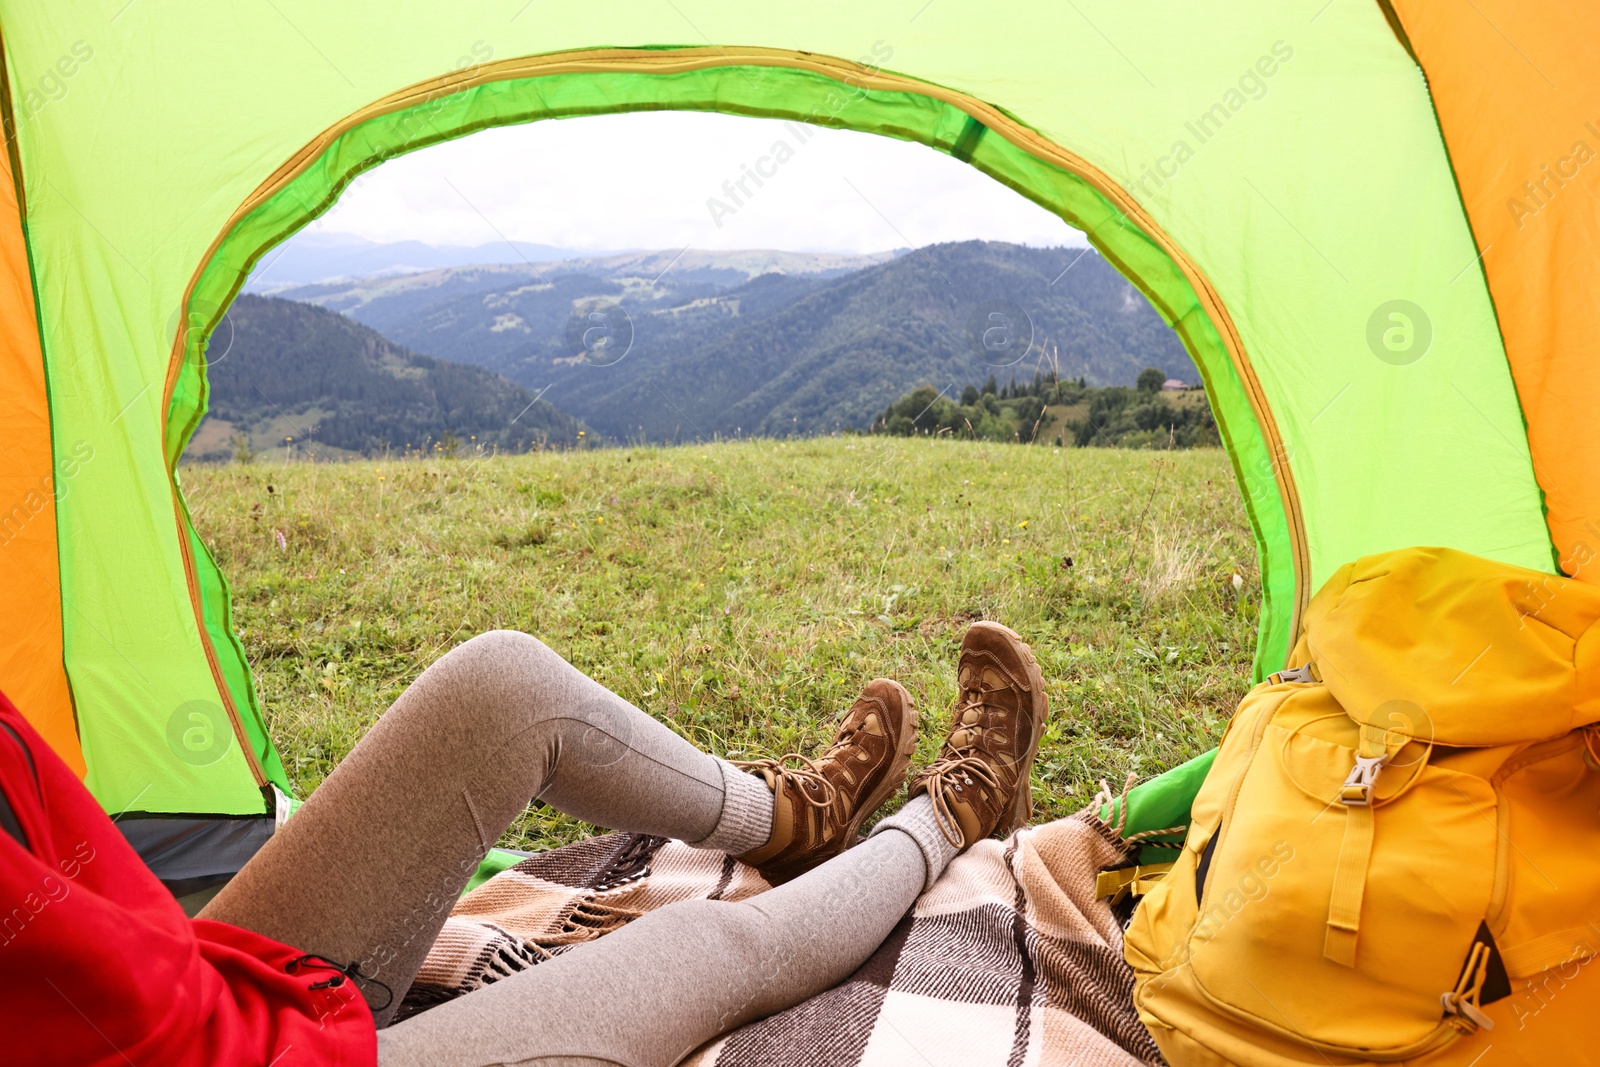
(768,83)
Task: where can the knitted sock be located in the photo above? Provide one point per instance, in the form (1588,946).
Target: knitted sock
(917,821)
(748,809)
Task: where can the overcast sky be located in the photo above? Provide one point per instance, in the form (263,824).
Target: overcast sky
(671,179)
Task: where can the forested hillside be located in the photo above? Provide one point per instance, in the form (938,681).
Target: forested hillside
(673,347)
(1059,412)
(288,375)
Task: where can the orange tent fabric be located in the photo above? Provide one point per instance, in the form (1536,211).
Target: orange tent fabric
(1520,110)
(30,583)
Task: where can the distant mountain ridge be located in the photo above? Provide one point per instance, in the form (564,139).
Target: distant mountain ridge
(288,375)
(379,298)
(311,257)
(767,343)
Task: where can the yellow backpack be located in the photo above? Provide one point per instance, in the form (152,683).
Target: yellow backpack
(1396,856)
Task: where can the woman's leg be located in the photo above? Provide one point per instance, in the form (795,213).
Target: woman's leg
(650,993)
(368,869)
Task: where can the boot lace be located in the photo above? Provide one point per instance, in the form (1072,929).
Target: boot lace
(958,766)
(806,772)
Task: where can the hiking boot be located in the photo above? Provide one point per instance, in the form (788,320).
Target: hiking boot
(979,784)
(820,803)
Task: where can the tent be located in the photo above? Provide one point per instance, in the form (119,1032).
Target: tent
(1373,224)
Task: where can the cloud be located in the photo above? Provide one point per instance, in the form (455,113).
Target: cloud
(647,180)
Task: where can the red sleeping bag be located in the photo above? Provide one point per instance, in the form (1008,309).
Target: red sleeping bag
(99,965)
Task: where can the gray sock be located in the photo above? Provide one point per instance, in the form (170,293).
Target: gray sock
(917,821)
(748,809)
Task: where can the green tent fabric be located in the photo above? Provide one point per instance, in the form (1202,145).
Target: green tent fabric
(1271,175)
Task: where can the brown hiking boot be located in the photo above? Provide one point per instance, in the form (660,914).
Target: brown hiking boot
(979,784)
(821,803)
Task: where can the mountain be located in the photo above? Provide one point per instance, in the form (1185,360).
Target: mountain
(285,370)
(315,257)
(697,344)
(389,301)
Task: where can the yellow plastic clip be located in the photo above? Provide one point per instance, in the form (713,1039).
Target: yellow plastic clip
(1137,881)
(1357,788)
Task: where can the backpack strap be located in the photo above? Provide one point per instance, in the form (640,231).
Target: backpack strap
(1355,851)
(1349,886)
(1114,885)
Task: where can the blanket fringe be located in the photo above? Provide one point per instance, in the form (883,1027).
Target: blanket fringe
(588,920)
(510,957)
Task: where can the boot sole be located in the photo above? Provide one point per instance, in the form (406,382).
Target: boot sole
(1022,806)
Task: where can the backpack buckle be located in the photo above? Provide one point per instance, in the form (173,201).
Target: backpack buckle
(1357,789)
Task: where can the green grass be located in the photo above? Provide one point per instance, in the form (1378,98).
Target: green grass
(743,592)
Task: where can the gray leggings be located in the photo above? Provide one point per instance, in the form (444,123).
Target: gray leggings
(368,869)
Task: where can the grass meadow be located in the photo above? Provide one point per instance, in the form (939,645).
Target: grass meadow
(743,592)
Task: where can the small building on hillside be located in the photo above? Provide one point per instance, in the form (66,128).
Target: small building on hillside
(1175,384)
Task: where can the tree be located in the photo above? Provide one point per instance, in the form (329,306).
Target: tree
(1030,418)
(1150,380)
(991,386)
(1117,417)
(969,396)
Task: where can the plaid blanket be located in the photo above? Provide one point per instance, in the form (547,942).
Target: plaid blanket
(1007,960)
